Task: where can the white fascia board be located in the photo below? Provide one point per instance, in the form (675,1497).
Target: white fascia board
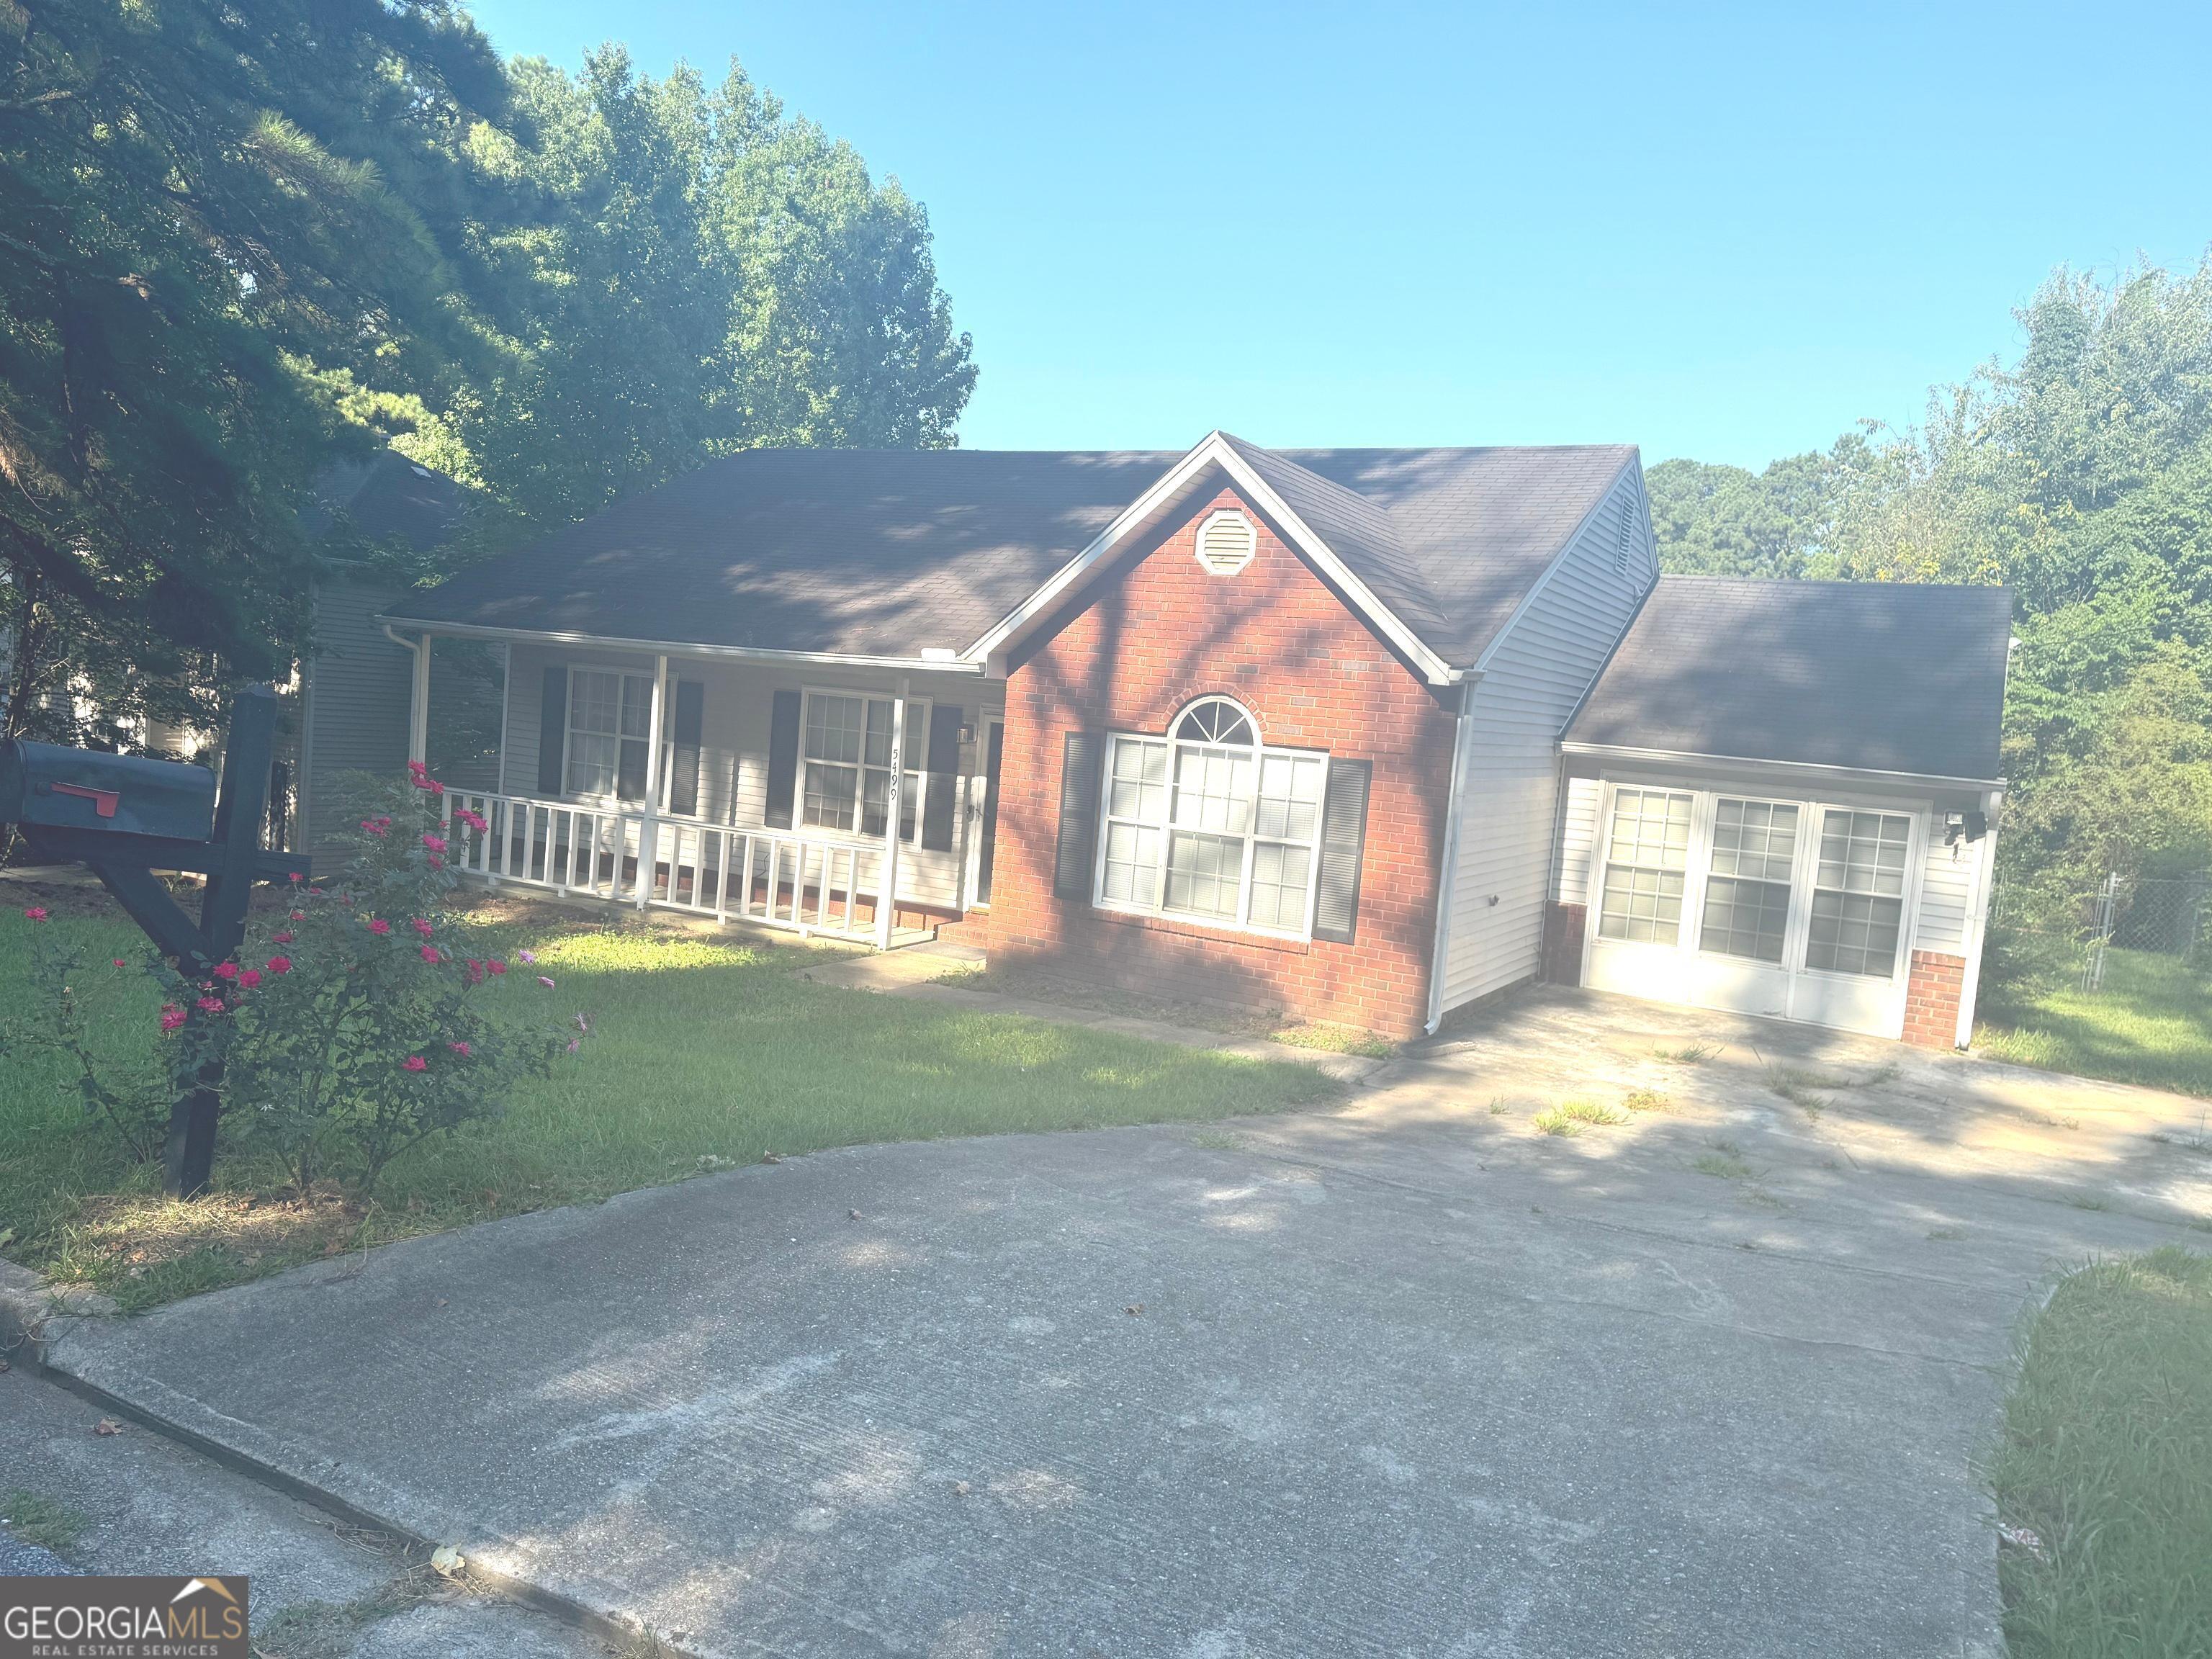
(1800,768)
(1214,450)
(684,648)
(1635,464)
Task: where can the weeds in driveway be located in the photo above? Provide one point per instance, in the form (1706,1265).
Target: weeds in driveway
(1647,1100)
(1499,1108)
(1796,1088)
(1723,1162)
(1689,1053)
(1572,1117)
(2102,1472)
(50,1524)
(1945,1235)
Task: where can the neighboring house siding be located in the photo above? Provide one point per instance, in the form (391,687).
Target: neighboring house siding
(353,706)
(1146,642)
(1534,677)
(735,709)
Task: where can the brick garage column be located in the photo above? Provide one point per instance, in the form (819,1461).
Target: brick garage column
(1563,942)
(1931,999)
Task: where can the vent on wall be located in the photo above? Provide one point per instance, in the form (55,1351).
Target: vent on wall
(1226,542)
(1627,542)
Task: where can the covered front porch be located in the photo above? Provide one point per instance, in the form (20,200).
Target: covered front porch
(787,792)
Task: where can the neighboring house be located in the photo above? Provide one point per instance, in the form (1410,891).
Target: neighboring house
(1365,735)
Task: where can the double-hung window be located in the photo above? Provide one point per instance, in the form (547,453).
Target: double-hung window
(1748,891)
(845,780)
(1209,823)
(1858,892)
(1647,857)
(609,717)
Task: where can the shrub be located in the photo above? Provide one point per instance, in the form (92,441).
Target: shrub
(348,1027)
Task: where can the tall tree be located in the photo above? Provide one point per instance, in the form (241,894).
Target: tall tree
(203,201)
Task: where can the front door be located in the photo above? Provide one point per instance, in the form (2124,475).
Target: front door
(994,749)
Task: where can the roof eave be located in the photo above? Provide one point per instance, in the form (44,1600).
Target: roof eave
(1806,768)
(948,665)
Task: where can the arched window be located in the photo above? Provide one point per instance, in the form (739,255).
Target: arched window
(1208,822)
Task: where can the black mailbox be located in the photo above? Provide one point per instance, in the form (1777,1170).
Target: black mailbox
(44,784)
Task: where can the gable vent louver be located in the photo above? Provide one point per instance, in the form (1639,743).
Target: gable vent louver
(1226,542)
(1627,541)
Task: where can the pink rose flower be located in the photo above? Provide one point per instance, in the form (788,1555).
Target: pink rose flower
(225,970)
(429,953)
(119,962)
(422,927)
(380,927)
(296,875)
(284,937)
(435,843)
(416,1063)
(36,912)
(499,967)
(373,826)
(299,915)
(461,1049)
(171,1017)
(279,964)
(250,978)
(436,863)
(210,1004)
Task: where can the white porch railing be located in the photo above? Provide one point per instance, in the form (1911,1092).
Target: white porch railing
(807,883)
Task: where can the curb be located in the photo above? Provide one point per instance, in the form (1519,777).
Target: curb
(28,1308)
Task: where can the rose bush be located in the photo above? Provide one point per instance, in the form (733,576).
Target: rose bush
(348,1028)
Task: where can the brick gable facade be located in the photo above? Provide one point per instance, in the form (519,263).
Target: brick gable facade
(1146,640)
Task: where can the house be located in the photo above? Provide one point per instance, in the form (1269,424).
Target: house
(1364,734)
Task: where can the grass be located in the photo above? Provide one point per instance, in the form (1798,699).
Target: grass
(44,1521)
(1038,987)
(2151,1023)
(2102,1471)
(1570,1117)
(1647,1100)
(1723,1162)
(1690,1054)
(708,1052)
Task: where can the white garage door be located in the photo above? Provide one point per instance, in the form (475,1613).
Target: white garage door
(1798,908)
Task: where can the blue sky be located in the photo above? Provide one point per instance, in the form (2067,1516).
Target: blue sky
(1720,232)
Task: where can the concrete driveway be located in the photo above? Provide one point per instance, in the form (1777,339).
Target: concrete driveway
(1409,1378)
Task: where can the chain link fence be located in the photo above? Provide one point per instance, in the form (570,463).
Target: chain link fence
(2051,933)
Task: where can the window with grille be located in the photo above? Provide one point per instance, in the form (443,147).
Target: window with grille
(1747,890)
(1209,823)
(1858,892)
(610,718)
(844,783)
(1647,851)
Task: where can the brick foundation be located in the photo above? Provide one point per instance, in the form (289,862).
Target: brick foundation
(1143,643)
(1563,943)
(1931,999)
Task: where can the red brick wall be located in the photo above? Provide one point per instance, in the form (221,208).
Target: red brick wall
(1931,999)
(1563,942)
(1149,639)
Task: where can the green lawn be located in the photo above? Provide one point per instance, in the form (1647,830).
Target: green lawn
(706,1053)
(2103,1471)
(2151,1023)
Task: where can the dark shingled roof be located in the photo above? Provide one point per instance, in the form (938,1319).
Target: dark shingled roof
(884,552)
(388,495)
(1884,677)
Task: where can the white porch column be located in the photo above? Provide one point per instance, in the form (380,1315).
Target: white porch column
(418,703)
(648,835)
(887,889)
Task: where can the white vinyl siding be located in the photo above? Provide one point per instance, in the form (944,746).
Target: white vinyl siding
(355,693)
(1535,676)
(1947,894)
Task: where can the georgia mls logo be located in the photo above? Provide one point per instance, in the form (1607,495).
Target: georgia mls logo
(123,1618)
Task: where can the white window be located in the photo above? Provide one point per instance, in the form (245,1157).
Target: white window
(845,774)
(1648,852)
(609,716)
(1747,892)
(1858,892)
(1208,822)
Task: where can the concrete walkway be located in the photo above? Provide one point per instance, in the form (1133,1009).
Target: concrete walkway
(1406,1378)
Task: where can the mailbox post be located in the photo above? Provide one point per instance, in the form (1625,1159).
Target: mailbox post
(124,817)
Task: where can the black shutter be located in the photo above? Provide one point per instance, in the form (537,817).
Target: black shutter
(684,775)
(782,759)
(1343,841)
(943,778)
(1081,756)
(552,730)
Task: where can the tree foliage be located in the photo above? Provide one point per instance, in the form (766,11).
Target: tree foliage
(240,238)
(2080,476)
